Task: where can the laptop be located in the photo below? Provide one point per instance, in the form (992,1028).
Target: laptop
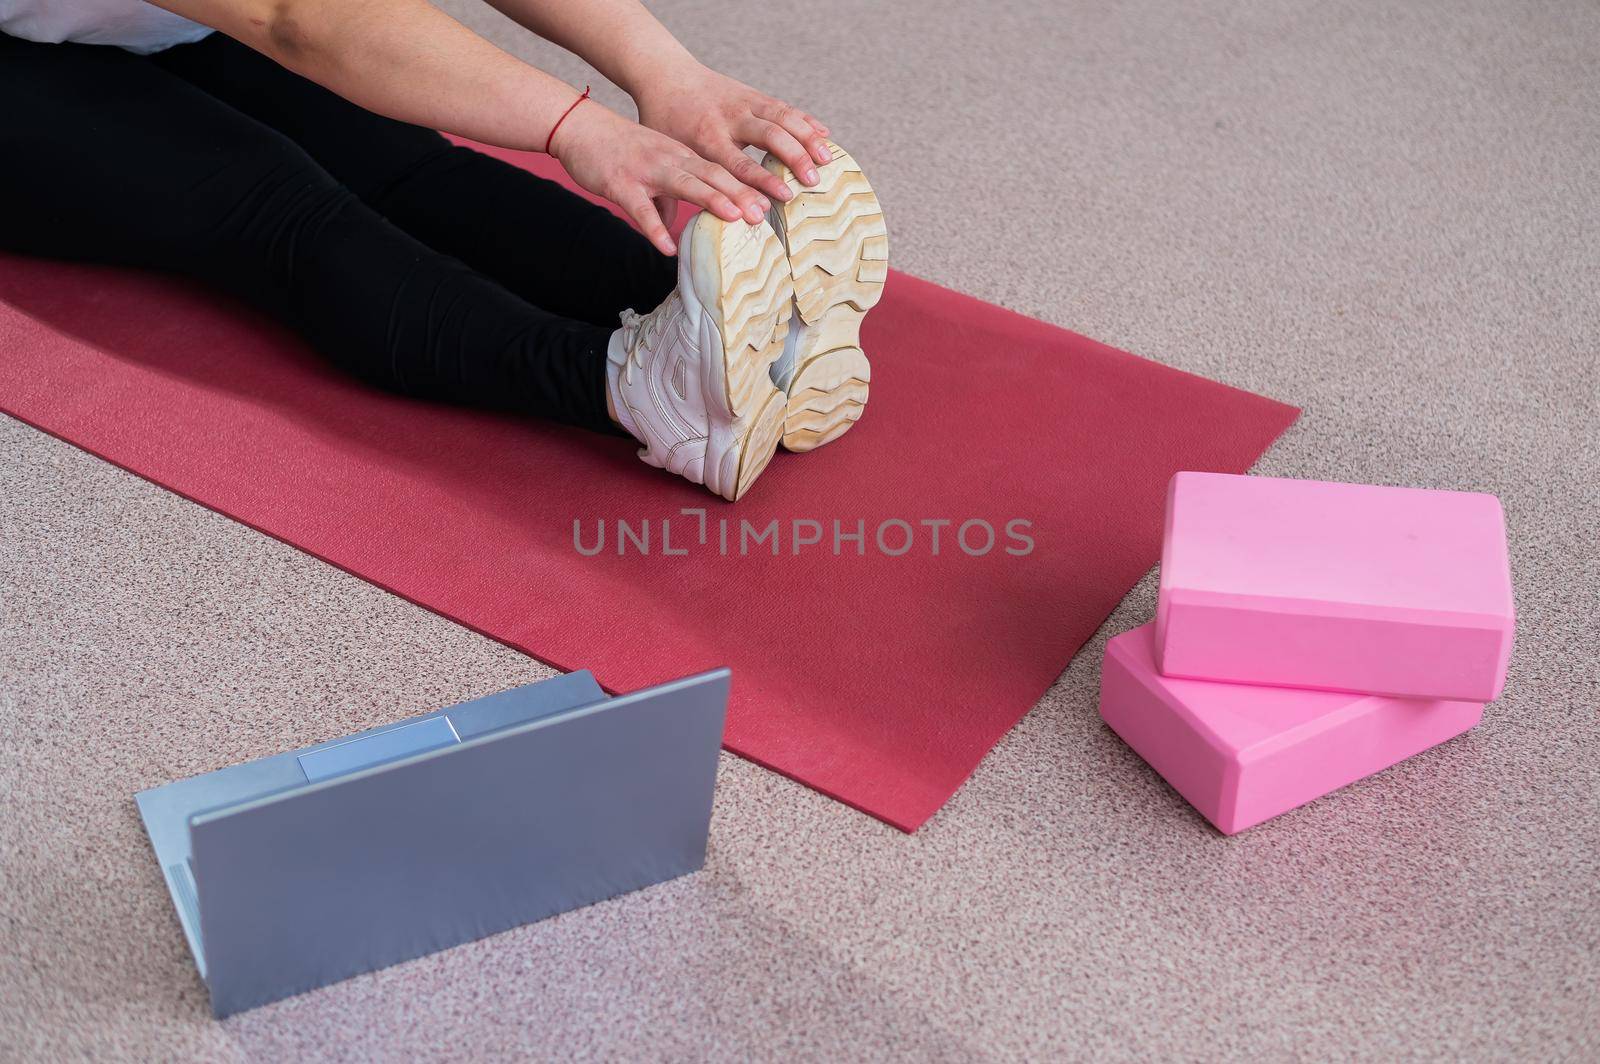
(307,867)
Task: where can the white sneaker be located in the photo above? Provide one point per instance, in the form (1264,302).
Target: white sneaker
(691,380)
(838,249)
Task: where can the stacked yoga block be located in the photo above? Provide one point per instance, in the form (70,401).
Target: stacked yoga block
(1308,634)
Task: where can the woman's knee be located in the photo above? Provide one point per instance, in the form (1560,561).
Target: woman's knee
(257,191)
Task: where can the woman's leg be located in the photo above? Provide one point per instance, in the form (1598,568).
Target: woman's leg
(544,243)
(110,158)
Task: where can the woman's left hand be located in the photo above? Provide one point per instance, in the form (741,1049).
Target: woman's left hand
(718,117)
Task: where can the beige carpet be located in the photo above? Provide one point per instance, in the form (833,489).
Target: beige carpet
(1388,213)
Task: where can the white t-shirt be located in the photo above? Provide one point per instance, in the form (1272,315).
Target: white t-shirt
(131,24)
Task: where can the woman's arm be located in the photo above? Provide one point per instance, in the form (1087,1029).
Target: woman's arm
(711,113)
(402,58)
(410,61)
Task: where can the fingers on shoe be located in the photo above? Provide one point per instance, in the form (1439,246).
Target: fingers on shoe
(756,176)
(686,185)
(777,140)
(807,144)
(752,205)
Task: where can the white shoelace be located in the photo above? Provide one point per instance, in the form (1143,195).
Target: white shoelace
(640,331)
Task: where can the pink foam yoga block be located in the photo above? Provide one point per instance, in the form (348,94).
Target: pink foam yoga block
(1243,753)
(1341,587)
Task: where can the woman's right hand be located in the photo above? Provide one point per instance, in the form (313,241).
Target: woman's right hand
(646,173)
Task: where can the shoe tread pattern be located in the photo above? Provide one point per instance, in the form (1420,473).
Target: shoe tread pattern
(755,298)
(838,246)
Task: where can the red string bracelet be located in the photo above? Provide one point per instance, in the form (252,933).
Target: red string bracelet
(563,118)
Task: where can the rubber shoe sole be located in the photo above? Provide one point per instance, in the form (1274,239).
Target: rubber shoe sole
(838,248)
(742,278)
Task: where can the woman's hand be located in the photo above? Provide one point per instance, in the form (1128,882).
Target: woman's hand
(718,117)
(645,172)
(676,94)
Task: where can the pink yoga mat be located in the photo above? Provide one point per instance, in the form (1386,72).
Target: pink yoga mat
(878,678)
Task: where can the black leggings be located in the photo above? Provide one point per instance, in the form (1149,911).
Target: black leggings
(425,268)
